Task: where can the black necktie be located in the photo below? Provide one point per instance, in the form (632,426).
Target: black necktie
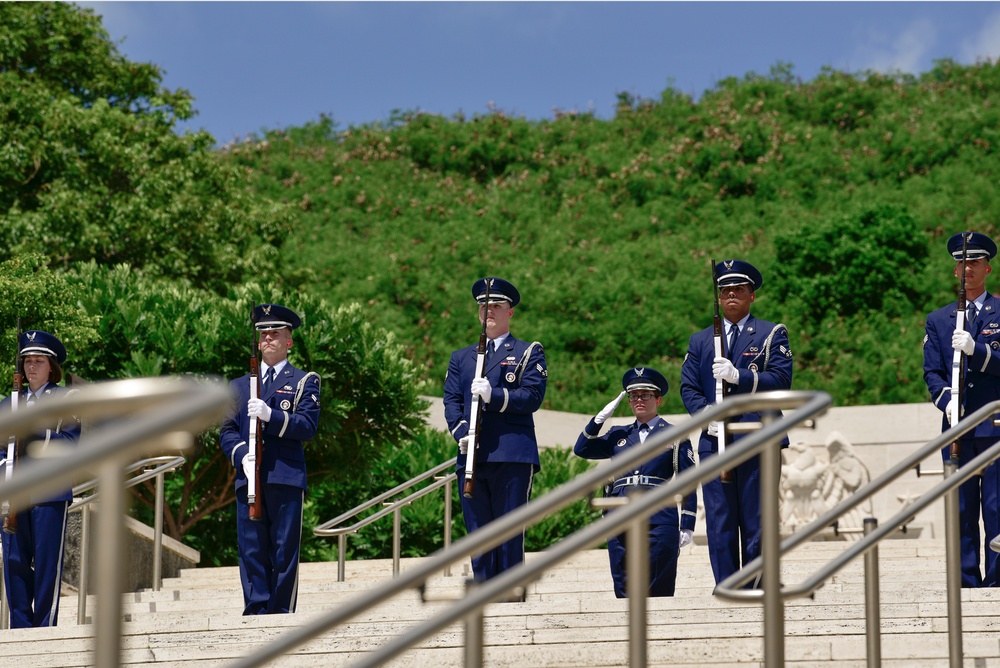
(490,349)
(268,377)
(970,312)
(734,333)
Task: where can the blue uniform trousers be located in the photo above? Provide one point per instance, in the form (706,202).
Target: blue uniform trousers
(33,560)
(732,516)
(978,495)
(664,544)
(499,488)
(269,549)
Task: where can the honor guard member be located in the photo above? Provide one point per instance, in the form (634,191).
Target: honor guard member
(511,390)
(759,360)
(33,555)
(645,388)
(288,409)
(980,346)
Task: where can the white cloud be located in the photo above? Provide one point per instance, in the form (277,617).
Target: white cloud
(985,44)
(907,52)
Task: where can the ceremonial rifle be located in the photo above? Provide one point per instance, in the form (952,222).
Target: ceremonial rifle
(721,388)
(14,443)
(476,412)
(255,440)
(957,363)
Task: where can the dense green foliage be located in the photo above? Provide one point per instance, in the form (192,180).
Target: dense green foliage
(142,248)
(91,168)
(841,190)
(128,324)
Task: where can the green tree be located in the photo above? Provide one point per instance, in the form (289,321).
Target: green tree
(46,300)
(91,166)
(152,326)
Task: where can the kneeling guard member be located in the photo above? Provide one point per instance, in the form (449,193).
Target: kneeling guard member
(645,388)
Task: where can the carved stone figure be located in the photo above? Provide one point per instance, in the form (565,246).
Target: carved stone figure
(810,486)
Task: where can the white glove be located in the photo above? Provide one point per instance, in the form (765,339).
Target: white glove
(482,388)
(247,466)
(963,341)
(609,410)
(723,369)
(713,429)
(685,538)
(258,409)
(463,445)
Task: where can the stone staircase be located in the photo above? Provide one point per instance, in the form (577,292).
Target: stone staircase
(570,618)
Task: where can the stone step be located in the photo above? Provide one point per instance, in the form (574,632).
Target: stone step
(570,618)
(669,644)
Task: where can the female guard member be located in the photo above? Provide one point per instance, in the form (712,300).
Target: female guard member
(33,552)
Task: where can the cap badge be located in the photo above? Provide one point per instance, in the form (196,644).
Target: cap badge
(728,264)
(31,336)
(266,309)
(639,371)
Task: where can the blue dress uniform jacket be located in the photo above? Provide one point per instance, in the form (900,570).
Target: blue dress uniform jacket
(269,548)
(763,358)
(507,428)
(508,451)
(664,525)
(33,557)
(982,385)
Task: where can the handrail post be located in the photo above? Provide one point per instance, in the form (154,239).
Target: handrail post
(770,545)
(108,617)
(953,568)
(637,588)
(397,516)
(83,579)
(473,632)
(447,522)
(873,612)
(158,535)
(4,607)
(341,555)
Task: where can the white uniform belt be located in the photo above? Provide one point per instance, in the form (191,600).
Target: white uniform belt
(637,480)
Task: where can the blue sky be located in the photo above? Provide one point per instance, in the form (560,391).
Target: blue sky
(253,66)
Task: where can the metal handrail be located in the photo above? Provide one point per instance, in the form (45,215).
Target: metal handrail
(160,465)
(163,414)
(764,441)
(947,488)
(331,528)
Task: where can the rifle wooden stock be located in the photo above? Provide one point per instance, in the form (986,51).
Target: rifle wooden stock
(721,389)
(13,443)
(957,363)
(476,410)
(255,439)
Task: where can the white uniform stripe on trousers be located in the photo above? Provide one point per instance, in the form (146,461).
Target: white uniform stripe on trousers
(527,498)
(295,590)
(58,583)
